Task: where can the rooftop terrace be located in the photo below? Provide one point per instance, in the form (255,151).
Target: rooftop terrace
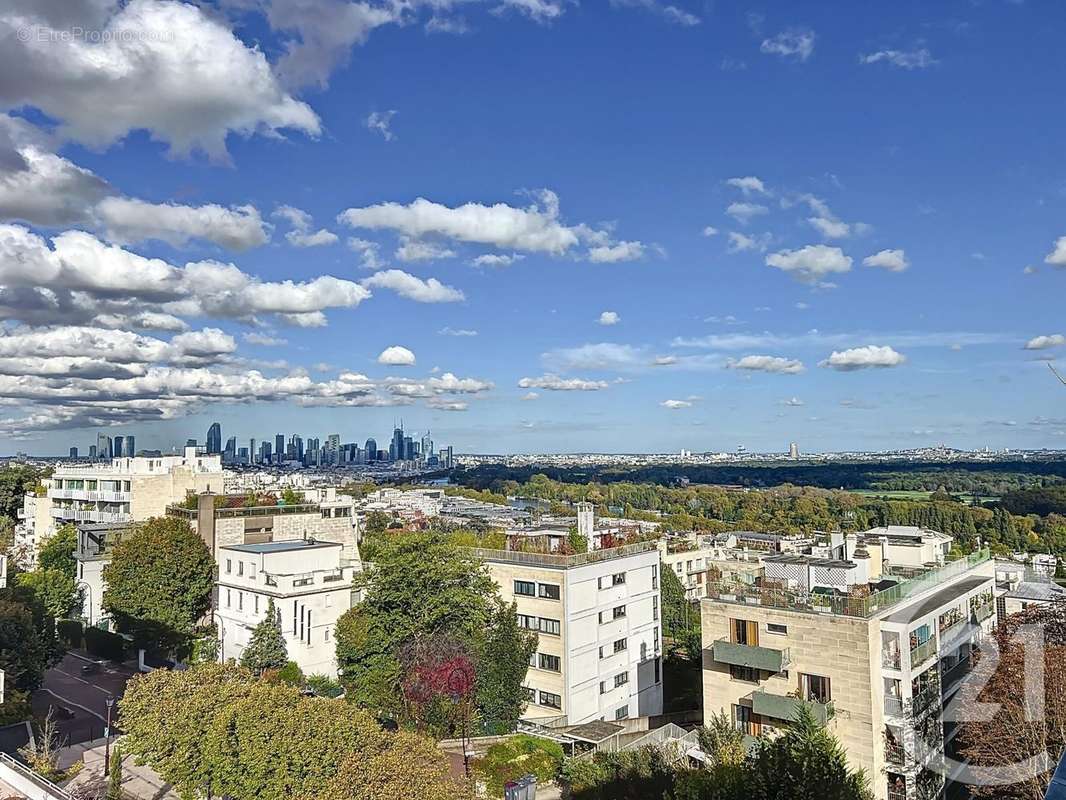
(871,605)
(561,561)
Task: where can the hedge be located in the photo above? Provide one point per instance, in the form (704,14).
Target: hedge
(104,644)
(71,632)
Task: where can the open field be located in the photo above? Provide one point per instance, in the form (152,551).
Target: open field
(912,495)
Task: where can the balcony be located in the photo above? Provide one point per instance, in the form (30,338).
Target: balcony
(786,708)
(984,611)
(742,655)
(893,706)
(923,652)
(890,659)
(895,752)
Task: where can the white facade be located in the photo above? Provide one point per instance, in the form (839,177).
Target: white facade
(599,630)
(310,586)
(124,490)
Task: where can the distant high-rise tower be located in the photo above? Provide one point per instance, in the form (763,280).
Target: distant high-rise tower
(396,451)
(214,439)
(264,452)
(793,450)
(92,451)
(371,450)
(279,447)
(130,447)
(252,454)
(427,446)
(103,446)
(116,447)
(230,451)
(74,452)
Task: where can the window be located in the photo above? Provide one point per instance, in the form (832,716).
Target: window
(531,694)
(619,645)
(617,580)
(603,687)
(742,631)
(533,660)
(525,588)
(325,635)
(656,641)
(655,607)
(621,679)
(528,622)
(622,713)
(815,688)
(229,566)
(746,674)
(744,721)
(240,601)
(658,677)
(549,626)
(256,603)
(227,598)
(549,591)
(240,568)
(618,612)
(678,567)
(251,570)
(548,662)
(776,627)
(550,700)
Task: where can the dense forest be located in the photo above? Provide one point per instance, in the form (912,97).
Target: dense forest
(789,509)
(977,477)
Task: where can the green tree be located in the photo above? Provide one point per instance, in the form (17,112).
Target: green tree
(159,583)
(421,588)
(27,643)
(215,729)
(57,552)
(266,648)
(291,497)
(519,755)
(681,618)
(54,589)
(502,664)
(805,763)
(114,776)
(15,481)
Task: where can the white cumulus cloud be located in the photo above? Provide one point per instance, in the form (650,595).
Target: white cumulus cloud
(794,43)
(1046,342)
(609,318)
(776,364)
(810,263)
(892,260)
(407,285)
(856,358)
(675,404)
(397,356)
(128,220)
(555,383)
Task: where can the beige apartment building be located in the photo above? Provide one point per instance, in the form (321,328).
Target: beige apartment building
(599,631)
(120,491)
(876,655)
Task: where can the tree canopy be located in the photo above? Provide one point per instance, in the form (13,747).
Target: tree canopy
(159,583)
(216,729)
(27,642)
(421,589)
(57,551)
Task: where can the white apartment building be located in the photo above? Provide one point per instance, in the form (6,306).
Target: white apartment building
(310,584)
(878,652)
(599,633)
(695,565)
(123,490)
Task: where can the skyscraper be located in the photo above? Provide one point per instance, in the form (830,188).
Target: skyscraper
(74,452)
(252,454)
(230,452)
(214,439)
(793,450)
(279,447)
(130,447)
(103,445)
(92,451)
(264,452)
(427,446)
(116,447)
(396,451)
(371,450)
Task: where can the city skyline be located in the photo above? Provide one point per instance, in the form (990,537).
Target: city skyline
(739,226)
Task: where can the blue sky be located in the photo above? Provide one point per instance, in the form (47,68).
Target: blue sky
(809,222)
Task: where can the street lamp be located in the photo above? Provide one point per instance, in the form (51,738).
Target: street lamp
(109,702)
(90,590)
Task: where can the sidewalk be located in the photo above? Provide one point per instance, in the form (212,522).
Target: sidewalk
(140,782)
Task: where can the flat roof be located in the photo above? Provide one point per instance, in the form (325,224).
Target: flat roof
(1037,590)
(279,547)
(938,598)
(595,732)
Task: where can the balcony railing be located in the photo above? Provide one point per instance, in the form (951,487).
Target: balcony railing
(890,659)
(897,792)
(743,655)
(923,652)
(557,560)
(793,600)
(984,611)
(894,706)
(786,707)
(895,752)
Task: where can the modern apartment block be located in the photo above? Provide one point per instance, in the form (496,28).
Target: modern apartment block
(599,632)
(121,490)
(96,540)
(876,649)
(311,585)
